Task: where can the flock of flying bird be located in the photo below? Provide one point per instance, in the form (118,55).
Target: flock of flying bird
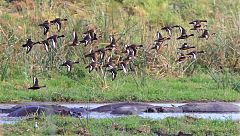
(103,57)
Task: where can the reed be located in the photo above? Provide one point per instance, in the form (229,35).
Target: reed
(131,22)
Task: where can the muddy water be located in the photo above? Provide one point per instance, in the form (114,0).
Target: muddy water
(222,116)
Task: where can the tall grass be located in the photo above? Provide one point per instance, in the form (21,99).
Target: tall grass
(131,21)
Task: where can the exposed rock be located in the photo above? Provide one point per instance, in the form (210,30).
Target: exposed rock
(210,107)
(127,108)
(31,110)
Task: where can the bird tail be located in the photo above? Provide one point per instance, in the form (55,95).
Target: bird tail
(61,36)
(191,35)
(201,52)
(82,41)
(140,46)
(179,38)
(153,48)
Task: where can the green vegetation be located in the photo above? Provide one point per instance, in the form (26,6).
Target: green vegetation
(199,87)
(56,125)
(157,77)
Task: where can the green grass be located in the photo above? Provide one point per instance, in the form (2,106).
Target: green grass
(199,87)
(57,125)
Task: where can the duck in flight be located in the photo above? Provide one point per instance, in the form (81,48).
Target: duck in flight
(185,47)
(158,45)
(124,64)
(101,53)
(194,54)
(160,38)
(46,45)
(168,29)
(205,34)
(112,41)
(69,64)
(113,72)
(46,26)
(182,58)
(35,84)
(29,45)
(183,32)
(197,24)
(75,41)
(93,65)
(87,39)
(91,55)
(58,23)
(54,39)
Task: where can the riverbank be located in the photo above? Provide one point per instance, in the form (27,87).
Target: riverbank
(199,87)
(57,125)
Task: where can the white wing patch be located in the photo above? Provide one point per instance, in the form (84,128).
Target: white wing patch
(124,69)
(58,26)
(68,68)
(46,47)
(54,43)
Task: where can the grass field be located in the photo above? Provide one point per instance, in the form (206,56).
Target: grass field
(199,87)
(213,76)
(57,125)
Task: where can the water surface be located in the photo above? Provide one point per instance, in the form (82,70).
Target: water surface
(220,116)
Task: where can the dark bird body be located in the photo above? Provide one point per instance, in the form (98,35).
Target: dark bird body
(54,39)
(160,38)
(194,54)
(123,65)
(182,58)
(46,45)
(131,50)
(113,72)
(46,26)
(29,45)
(86,40)
(157,46)
(185,47)
(58,23)
(183,32)
(75,41)
(109,63)
(69,64)
(112,41)
(101,52)
(196,24)
(92,34)
(205,34)
(92,66)
(91,55)
(168,29)
(35,84)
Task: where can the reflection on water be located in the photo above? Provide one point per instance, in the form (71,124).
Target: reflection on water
(7,120)
(218,116)
(222,116)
